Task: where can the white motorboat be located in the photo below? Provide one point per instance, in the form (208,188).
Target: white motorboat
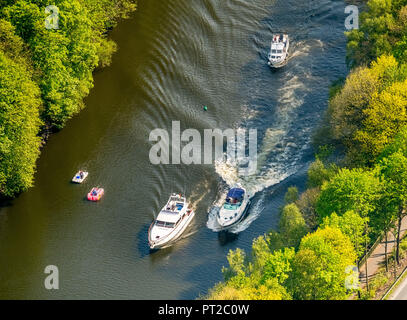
(80,176)
(235,207)
(170,223)
(279,51)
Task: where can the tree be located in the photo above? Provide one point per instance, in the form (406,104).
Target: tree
(366,114)
(236,261)
(67,57)
(318,269)
(292,225)
(278,265)
(394,171)
(352,225)
(291,195)
(356,190)
(384,117)
(307,205)
(19,124)
(262,278)
(271,290)
(382,219)
(380,27)
(399,144)
(318,173)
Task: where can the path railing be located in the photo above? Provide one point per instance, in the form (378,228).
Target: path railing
(371,249)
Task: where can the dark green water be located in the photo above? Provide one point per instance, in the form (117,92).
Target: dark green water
(174,57)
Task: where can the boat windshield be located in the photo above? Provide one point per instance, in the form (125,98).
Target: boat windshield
(232,203)
(164,224)
(176,198)
(229,206)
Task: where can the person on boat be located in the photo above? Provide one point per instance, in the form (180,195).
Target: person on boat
(94,193)
(81,174)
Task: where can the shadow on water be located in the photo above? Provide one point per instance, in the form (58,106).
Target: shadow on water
(144,250)
(225,237)
(5,202)
(141,242)
(158,255)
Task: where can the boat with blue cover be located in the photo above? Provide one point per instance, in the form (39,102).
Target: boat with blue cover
(235,207)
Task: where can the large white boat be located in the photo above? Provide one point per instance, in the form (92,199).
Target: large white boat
(170,223)
(235,207)
(279,50)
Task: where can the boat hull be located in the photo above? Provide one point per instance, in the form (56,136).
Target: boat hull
(241,217)
(97,197)
(77,178)
(155,245)
(277,65)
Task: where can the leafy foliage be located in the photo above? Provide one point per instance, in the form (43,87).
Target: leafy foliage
(369,110)
(318,173)
(347,207)
(318,269)
(53,76)
(19,124)
(292,225)
(356,190)
(382,28)
(352,225)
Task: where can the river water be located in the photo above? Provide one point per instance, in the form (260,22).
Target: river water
(174,57)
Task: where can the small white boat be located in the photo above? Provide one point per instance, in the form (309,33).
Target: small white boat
(235,207)
(170,223)
(278,55)
(80,176)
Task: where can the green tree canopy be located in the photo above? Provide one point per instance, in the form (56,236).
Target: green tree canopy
(292,225)
(318,269)
(19,124)
(55,71)
(356,190)
(381,28)
(352,225)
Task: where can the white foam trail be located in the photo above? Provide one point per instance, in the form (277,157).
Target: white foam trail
(279,156)
(275,140)
(212,223)
(255,210)
(250,113)
(197,195)
(303,48)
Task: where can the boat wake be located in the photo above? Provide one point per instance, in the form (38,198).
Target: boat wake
(282,145)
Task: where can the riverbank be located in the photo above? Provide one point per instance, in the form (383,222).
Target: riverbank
(350,203)
(56,51)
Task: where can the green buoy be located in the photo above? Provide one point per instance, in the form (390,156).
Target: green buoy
(205,108)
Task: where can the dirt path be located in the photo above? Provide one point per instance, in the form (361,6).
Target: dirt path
(377,257)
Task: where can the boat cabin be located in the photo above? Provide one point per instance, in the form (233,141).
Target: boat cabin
(234,198)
